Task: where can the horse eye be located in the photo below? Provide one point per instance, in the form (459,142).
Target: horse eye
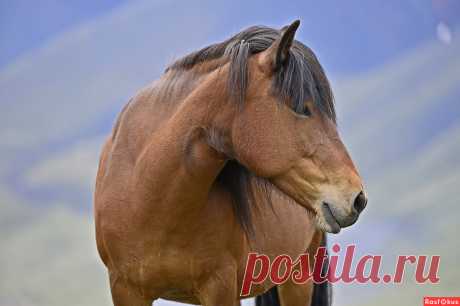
(306,111)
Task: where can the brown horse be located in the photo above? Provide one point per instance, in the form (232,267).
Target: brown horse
(233,150)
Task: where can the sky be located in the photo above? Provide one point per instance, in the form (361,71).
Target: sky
(26,25)
(352,35)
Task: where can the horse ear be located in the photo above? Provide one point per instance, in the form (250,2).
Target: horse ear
(278,53)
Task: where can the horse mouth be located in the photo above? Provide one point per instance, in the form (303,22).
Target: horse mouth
(324,216)
(325,219)
(329,218)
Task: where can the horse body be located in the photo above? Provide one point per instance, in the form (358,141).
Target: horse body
(168,225)
(157,240)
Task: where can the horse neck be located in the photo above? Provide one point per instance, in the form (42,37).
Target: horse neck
(180,164)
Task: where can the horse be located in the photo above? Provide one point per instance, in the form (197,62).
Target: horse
(234,149)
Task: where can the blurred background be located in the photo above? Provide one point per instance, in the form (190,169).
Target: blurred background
(68,67)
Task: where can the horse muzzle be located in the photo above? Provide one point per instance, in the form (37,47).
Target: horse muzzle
(332,218)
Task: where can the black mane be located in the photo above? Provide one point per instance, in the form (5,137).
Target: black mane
(302,78)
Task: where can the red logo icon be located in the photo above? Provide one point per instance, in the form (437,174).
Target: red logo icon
(441,300)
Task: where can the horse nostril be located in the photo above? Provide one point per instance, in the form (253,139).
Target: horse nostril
(360,202)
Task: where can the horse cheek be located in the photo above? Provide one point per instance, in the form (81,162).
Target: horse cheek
(261,147)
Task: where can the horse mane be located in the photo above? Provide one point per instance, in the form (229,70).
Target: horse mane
(302,78)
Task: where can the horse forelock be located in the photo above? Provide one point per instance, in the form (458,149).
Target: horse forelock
(301,78)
